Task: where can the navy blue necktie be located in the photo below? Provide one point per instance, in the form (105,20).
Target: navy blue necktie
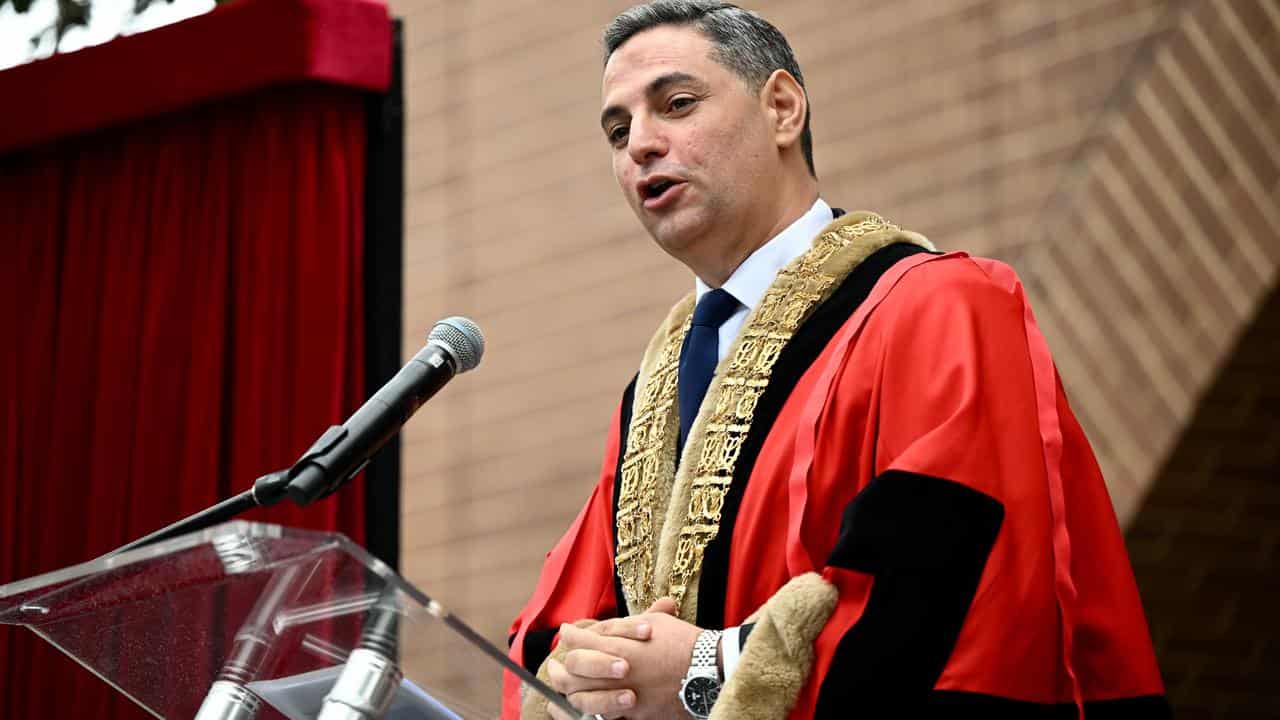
(700,354)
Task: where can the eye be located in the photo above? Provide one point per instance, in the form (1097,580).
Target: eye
(681,102)
(617,135)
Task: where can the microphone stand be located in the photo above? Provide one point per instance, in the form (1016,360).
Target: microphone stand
(342,451)
(207,518)
(297,482)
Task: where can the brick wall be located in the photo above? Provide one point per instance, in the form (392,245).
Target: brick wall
(1122,154)
(1149,261)
(1204,545)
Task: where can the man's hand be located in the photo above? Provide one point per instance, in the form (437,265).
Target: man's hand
(628,667)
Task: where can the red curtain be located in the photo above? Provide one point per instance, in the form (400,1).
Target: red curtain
(181,313)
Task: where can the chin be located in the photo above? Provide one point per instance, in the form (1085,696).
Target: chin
(675,244)
(678,233)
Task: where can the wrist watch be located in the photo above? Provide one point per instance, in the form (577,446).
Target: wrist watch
(701,684)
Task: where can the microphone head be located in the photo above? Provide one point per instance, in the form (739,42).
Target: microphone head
(462,339)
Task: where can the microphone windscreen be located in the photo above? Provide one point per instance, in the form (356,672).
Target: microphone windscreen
(462,339)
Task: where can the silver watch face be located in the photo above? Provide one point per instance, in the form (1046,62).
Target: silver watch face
(700,694)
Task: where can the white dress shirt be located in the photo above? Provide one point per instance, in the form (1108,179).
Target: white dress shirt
(753,277)
(748,284)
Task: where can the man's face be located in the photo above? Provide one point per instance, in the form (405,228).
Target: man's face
(691,144)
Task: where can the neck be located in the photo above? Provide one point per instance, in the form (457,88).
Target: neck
(769,220)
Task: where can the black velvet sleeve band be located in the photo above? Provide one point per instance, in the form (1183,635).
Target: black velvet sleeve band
(537,646)
(926,541)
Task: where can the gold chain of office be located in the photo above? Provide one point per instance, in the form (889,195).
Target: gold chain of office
(793,294)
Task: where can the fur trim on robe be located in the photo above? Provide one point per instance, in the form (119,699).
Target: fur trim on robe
(778,656)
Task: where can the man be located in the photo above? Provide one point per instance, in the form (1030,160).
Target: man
(851,454)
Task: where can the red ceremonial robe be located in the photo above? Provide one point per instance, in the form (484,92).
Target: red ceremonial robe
(915,449)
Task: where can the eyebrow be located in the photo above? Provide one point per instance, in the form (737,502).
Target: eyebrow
(655,87)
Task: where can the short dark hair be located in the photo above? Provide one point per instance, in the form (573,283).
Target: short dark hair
(744,42)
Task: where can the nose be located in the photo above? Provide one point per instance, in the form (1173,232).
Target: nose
(646,140)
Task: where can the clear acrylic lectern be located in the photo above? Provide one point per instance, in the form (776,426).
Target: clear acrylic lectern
(268,612)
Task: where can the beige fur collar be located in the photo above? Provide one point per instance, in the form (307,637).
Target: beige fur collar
(666,517)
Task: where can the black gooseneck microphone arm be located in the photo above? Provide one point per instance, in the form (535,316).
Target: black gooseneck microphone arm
(207,518)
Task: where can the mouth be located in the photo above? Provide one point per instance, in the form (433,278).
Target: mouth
(656,193)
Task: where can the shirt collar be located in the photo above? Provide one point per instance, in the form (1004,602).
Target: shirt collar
(753,277)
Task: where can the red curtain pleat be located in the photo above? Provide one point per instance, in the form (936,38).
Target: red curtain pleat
(182,312)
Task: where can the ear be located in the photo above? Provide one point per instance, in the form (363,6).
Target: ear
(787,106)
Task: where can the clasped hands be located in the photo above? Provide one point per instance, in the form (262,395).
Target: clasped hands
(626,667)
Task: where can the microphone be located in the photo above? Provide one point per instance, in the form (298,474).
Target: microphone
(455,345)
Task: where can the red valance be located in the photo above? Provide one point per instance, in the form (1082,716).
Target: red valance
(237,48)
